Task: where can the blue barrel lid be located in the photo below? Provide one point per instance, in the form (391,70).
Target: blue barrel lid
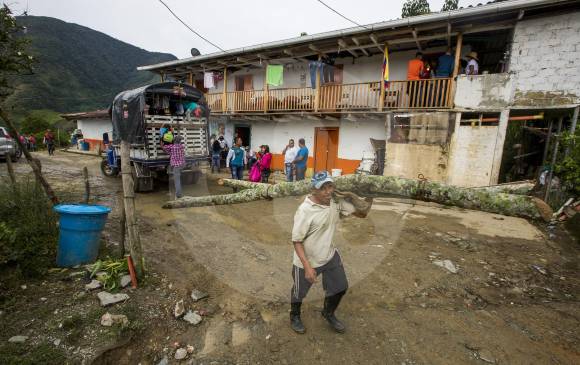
(81,209)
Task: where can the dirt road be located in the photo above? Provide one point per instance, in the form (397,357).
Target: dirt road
(513,300)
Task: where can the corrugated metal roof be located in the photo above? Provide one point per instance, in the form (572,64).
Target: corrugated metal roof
(491,8)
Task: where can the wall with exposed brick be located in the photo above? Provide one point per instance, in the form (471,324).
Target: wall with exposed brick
(546,61)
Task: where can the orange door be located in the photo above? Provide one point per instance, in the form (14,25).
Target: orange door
(326,149)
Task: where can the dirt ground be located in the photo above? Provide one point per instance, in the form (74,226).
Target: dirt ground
(514,299)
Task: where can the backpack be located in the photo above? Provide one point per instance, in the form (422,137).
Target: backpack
(216,146)
(168,137)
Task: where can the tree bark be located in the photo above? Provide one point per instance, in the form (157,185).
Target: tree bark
(31,161)
(10,169)
(373,185)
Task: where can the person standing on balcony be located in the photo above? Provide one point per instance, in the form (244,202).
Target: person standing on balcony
(445,64)
(472,64)
(301,160)
(236,160)
(415,69)
(290,152)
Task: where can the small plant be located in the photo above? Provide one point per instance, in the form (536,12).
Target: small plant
(568,169)
(28,228)
(112,271)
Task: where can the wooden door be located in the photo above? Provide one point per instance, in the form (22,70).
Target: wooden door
(244,85)
(331,91)
(326,149)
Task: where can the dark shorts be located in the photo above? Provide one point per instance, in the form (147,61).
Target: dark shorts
(333,279)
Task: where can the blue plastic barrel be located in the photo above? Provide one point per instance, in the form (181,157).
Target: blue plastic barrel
(86,146)
(80,233)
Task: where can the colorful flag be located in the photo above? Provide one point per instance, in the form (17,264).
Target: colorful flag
(385,75)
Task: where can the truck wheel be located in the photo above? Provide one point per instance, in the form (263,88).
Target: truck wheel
(108,170)
(141,184)
(190,177)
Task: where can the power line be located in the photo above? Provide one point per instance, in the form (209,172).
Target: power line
(188,27)
(350,20)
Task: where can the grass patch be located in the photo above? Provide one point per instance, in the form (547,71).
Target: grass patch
(23,354)
(28,228)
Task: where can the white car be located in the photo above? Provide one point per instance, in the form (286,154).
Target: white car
(8,146)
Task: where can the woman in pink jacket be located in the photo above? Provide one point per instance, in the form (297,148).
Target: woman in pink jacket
(264,162)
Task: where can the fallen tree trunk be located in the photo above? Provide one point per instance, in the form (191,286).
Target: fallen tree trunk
(373,185)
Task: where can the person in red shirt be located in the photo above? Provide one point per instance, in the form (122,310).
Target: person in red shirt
(265,162)
(415,69)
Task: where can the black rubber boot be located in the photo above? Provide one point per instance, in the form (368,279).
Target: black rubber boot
(295,320)
(330,305)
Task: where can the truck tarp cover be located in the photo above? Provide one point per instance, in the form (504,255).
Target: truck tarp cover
(128,107)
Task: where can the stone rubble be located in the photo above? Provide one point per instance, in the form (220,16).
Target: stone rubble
(109,299)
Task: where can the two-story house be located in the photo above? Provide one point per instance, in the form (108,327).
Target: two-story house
(467,130)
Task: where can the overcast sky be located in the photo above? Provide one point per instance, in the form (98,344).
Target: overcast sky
(227,23)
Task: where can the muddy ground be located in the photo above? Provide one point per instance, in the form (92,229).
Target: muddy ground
(514,299)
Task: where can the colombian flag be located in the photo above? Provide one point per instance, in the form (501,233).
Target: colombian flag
(385,75)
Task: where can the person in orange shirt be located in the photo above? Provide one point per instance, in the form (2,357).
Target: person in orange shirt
(415,67)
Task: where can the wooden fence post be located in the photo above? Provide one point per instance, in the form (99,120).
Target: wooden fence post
(134,241)
(87,185)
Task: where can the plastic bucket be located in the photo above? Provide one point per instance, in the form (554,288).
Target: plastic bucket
(80,233)
(86,146)
(336,172)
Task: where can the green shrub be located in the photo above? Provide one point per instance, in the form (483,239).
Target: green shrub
(568,168)
(28,228)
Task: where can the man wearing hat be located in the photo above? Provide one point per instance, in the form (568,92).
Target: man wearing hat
(472,64)
(315,222)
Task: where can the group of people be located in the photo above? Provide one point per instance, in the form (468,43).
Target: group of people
(420,69)
(29,141)
(259,164)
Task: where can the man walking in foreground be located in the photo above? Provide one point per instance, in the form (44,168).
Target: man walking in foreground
(314,251)
(176,153)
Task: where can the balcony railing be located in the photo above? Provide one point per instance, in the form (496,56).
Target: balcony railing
(420,94)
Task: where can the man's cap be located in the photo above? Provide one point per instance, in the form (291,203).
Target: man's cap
(320,178)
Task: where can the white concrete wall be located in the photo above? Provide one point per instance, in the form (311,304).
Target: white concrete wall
(471,156)
(491,91)
(353,136)
(94,128)
(546,60)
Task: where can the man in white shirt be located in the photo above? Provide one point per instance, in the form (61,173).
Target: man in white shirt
(290,152)
(315,222)
(472,64)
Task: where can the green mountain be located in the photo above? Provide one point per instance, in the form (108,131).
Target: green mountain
(77,69)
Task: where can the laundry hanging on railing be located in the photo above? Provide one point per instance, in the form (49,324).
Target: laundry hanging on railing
(275,75)
(325,68)
(208,80)
(385,75)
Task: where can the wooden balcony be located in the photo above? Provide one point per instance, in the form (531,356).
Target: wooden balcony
(420,94)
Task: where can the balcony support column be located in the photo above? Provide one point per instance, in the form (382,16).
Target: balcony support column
(190,78)
(225,91)
(266,97)
(451,102)
(382,97)
(317,91)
